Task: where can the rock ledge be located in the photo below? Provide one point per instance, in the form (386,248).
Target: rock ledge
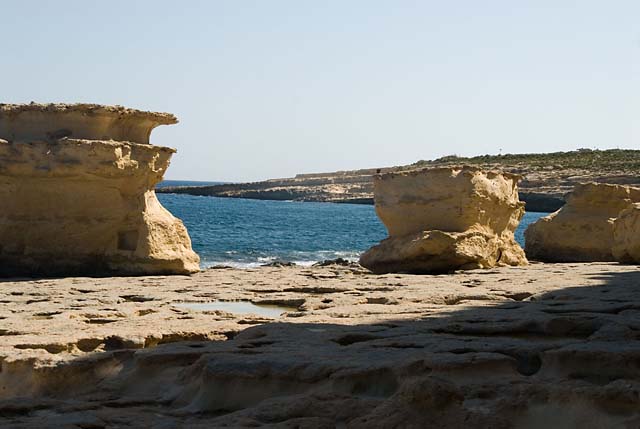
(77,189)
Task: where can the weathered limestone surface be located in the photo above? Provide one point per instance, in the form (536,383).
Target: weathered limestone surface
(50,122)
(626,235)
(538,346)
(444,219)
(85,205)
(582,230)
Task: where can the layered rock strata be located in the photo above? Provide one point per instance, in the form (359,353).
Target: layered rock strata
(583,230)
(445,219)
(77,189)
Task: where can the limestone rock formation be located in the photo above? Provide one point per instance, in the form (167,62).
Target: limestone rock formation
(444,219)
(582,230)
(540,346)
(626,235)
(77,190)
(49,122)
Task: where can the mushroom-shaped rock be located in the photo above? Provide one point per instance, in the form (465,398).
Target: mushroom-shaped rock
(85,205)
(444,219)
(583,229)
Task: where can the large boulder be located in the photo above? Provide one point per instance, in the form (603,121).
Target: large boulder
(77,190)
(444,219)
(626,235)
(582,230)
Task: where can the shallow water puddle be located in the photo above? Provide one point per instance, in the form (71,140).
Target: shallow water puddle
(237,307)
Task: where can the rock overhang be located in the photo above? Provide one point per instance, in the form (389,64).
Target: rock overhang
(53,121)
(68,157)
(422,199)
(77,184)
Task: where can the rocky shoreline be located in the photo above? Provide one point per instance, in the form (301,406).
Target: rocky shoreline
(543,344)
(502,344)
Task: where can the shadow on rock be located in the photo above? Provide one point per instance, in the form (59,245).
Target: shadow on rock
(566,358)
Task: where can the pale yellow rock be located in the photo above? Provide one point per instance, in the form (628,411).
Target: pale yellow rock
(539,346)
(85,205)
(626,235)
(49,122)
(444,219)
(582,230)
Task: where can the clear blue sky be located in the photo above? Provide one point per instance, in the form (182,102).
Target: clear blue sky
(273,88)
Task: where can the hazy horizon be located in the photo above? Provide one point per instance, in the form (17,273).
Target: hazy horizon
(273,89)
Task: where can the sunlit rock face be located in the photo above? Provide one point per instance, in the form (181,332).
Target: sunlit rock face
(77,189)
(626,235)
(445,219)
(50,122)
(583,229)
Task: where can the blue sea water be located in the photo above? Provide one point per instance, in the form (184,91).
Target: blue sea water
(245,233)
(167,183)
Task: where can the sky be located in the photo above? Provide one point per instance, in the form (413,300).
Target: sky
(267,89)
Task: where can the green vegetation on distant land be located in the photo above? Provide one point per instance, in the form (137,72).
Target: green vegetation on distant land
(623,160)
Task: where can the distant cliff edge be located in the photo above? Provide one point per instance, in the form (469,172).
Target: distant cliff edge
(546,178)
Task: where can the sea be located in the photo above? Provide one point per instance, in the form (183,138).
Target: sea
(247,233)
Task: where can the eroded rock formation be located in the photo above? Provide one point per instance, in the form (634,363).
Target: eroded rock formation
(582,230)
(444,219)
(77,190)
(540,346)
(28,122)
(626,235)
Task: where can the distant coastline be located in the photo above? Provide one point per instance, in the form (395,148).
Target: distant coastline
(188,183)
(546,178)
